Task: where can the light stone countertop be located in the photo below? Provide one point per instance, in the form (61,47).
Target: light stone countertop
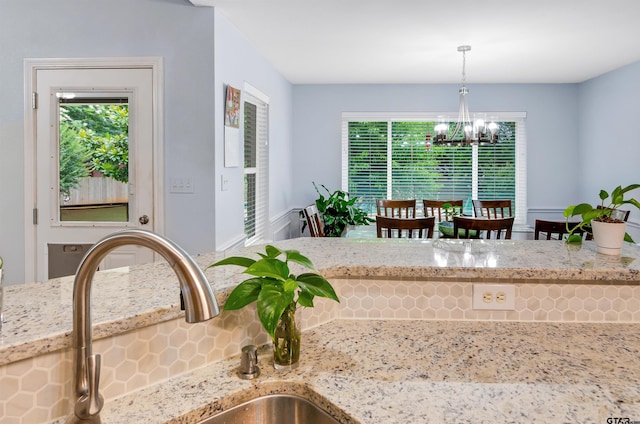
(378,371)
(38,315)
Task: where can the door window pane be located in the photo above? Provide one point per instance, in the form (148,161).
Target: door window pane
(93,159)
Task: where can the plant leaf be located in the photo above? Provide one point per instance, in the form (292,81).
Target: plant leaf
(633,202)
(269,268)
(568,212)
(582,208)
(272,301)
(591,214)
(295,256)
(245,293)
(630,187)
(317,285)
(272,251)
(603,195)
(234,260)
(574,238)
(290,285)
(306,299)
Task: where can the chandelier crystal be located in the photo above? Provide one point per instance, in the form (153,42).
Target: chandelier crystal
(467,131)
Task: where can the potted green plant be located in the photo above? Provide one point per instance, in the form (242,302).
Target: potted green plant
(278,294)
(338,211)
(605,221)
(446,226)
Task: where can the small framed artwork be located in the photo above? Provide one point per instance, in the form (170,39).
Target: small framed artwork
(232,128)
(232,108)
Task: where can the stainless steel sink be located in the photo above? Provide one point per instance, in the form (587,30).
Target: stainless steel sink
(273,409)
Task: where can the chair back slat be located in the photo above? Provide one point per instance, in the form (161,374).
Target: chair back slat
(492,209)
(434,208)
(497,228)
(314,221)
(396,208)
(387,227)
(553,230)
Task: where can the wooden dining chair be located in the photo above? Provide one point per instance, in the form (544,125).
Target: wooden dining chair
(553,230)
(492,208)
(497,228)
(387,227)
(434,208)
(314,222)
(396,208)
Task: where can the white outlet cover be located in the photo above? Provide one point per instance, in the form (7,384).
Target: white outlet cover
(479,289)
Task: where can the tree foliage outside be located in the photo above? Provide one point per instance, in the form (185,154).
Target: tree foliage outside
(73,156)
(93,137)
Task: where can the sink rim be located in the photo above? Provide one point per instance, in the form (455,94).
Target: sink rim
(264,389)
(259,398)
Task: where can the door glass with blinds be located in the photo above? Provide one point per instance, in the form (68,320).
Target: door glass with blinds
(391,159)
(255,168)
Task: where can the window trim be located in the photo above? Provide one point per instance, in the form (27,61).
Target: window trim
(520,153)
(261,170)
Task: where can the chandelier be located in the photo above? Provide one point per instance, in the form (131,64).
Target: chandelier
(467,132)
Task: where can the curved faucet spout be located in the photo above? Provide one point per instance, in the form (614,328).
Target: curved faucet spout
(200,305)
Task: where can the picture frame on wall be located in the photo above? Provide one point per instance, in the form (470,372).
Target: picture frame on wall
(232,108)
(232,127)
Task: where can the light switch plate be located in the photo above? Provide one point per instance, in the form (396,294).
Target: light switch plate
(181,185)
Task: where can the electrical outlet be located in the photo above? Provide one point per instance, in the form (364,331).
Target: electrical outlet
(494,297)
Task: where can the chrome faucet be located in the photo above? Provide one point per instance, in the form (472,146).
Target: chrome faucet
(200,305)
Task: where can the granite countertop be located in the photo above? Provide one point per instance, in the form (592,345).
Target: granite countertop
(425,371)
(38,315)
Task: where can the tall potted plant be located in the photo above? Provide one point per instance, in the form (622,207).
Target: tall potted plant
(278,294)
(605,221)
(338,211)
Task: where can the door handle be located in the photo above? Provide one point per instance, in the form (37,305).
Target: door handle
(144,219)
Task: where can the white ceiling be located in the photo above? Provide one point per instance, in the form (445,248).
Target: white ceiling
(415,41)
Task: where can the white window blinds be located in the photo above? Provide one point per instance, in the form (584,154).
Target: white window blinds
(256,166)
(389,158)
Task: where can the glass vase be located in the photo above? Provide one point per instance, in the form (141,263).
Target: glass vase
(286,344)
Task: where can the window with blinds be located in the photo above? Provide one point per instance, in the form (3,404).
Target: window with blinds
(256,184)
(390,159)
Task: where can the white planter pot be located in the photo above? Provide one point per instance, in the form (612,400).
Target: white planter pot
(608,236)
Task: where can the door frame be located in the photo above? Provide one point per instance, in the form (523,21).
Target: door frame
(31,66)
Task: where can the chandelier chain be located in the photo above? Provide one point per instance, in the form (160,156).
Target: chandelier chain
(464,66)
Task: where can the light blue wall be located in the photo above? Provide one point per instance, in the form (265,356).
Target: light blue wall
(609,136)
(237,62)
(552,121)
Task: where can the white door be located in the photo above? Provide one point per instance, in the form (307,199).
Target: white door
(94,166)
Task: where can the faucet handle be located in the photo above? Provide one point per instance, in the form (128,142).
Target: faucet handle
(90,404)
(249,363)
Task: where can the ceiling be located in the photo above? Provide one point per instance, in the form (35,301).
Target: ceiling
(415,41)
